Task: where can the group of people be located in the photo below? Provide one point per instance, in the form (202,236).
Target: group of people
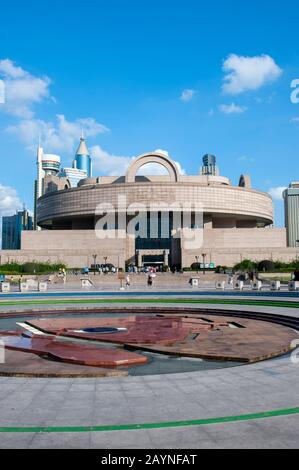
(152,274)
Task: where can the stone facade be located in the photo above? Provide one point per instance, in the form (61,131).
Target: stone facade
(234,225)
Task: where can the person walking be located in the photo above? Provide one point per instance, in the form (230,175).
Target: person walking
(150,281)
(128,282)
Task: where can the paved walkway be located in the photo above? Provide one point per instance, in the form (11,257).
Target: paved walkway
(243,390)
(66,404)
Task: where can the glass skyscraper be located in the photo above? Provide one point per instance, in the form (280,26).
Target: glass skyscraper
(12,228)
(209,167)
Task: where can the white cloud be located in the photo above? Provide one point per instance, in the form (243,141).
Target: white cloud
(109,164)
(9,200)
(276,193)
(60,136)
(152,169)
(244,158)
(187,95)
(232,109)
(22,90)
(10,70)
(163,152)
(114,165)
(248,73)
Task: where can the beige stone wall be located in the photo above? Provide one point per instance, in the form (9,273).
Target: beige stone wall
(232,257)
(222,246)
(82,202)
(75,248)
(228,247)
(249,238)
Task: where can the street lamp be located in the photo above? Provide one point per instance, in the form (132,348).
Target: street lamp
(204,255)
(95,263)
(197,263)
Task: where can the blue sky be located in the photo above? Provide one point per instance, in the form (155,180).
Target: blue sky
(146,75)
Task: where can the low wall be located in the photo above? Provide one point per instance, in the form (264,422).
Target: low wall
(76,248)
(228,247)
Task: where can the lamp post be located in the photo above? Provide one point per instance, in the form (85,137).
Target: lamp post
(197,263)
(105,262)
(204,255)
(95,262)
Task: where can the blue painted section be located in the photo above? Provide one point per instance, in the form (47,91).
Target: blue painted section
(83,162)
(281,295)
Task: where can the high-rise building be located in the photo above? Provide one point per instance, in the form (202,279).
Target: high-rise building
(209,167)
(291,200)
(82,159)
(47,165)
(12,228)
(50,176)
(73,175)
(51,164)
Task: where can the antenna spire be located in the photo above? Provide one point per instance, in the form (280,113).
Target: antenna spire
(39,140)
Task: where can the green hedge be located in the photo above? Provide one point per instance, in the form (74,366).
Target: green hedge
(30,268)
(267,266)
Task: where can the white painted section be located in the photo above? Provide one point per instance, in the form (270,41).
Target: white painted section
(31,329)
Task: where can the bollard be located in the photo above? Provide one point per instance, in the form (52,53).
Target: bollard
(86,283)
(239,285)
(23,287)
(257,285)
(42,286)
(194,282)
(220,285)
(275,285)
(293,286)
(4,287)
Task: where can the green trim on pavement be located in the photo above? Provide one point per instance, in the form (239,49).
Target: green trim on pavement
(258,303)
(136,427)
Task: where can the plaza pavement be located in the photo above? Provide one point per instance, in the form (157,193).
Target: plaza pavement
(243,390)
(256,388)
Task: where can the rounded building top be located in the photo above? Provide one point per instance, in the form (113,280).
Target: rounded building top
(49,157)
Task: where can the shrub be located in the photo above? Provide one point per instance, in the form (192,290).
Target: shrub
(246,265)
(31,268)
(266,266)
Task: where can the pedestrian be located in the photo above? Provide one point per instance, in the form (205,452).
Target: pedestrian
(150,281)
(128,281)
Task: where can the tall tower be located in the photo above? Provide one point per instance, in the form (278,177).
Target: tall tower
(38,186)
(51,164)
(82,159)
(291,201)
(209,167)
